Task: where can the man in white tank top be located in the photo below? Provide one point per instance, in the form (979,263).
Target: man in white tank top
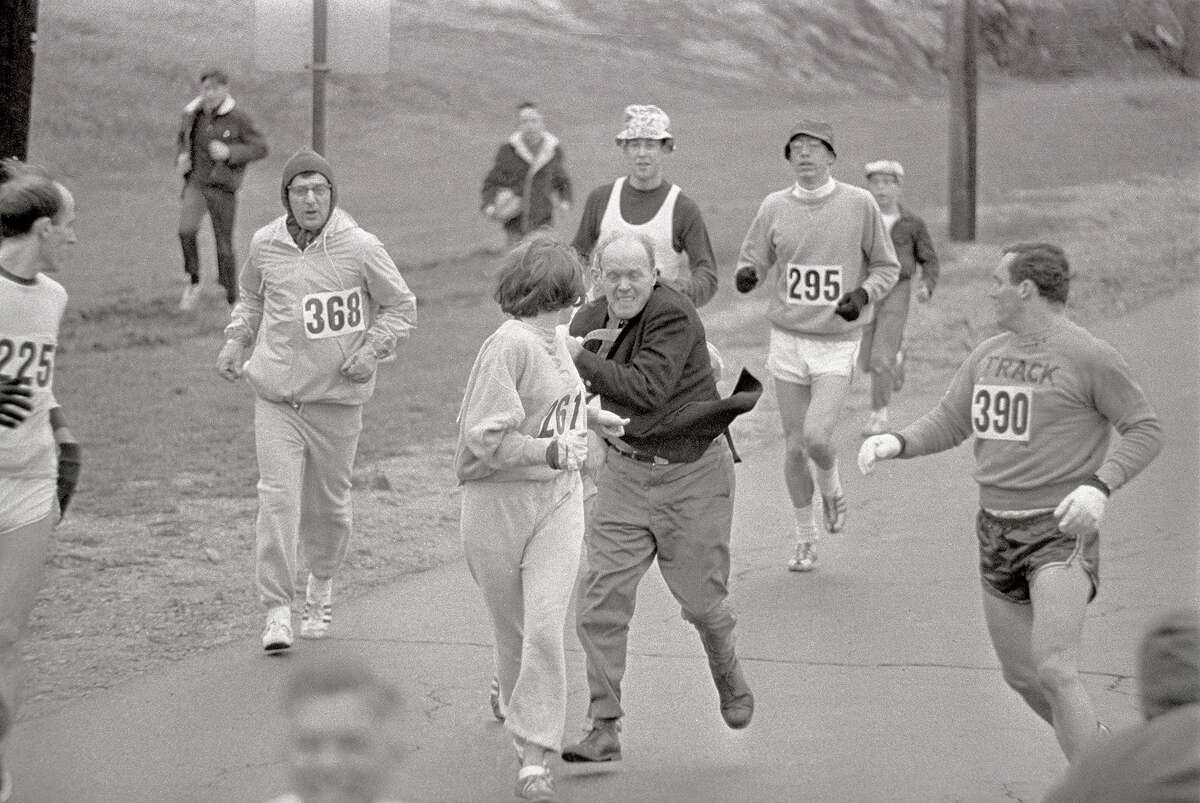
(643,202)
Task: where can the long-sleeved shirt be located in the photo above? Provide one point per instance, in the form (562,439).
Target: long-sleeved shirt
(688,233)
(1041,406)
(914,249)
(523,391)
(306,311)
(812,249)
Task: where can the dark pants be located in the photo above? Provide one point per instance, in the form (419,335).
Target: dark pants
(221,206)
(679,514)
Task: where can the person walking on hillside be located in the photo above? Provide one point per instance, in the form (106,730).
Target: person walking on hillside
(39,457)
(216,140)
(881,353)
(321,304)
(644,202)
(666,487)
(826,251)
(522,440)
(528,179)
(1041,399)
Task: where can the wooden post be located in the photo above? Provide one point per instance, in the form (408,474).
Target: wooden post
(18,33)
(961,35)
(320,66)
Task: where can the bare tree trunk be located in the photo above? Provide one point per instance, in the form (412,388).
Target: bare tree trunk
(18,33)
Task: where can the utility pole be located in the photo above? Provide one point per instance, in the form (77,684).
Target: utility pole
(962,33)
(319,68)
(18,33)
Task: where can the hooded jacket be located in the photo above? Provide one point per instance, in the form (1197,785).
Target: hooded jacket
(306,310)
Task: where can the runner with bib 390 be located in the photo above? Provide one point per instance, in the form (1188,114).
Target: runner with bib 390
(1040,399)
(321,303)
(826,249)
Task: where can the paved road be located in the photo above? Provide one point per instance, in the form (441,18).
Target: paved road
(874,677)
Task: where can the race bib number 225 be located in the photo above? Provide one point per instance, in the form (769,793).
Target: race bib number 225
(334,313)
(1001,412)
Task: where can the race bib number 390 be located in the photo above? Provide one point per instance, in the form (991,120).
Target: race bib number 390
(1002,412)
(332,314)
(814,284)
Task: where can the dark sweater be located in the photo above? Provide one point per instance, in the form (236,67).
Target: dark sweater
(657,373)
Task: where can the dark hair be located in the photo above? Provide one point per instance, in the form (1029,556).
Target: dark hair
(329,676)
(526,104)
(216,74)
(542,274)
(27,193)
(1045,265)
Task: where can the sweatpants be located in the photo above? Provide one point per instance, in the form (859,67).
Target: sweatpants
(681,514)
(881,342)
(221,206)
(522,541)
(305,458)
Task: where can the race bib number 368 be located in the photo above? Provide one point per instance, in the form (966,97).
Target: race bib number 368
(814,284)
(334,313)
(1002,412)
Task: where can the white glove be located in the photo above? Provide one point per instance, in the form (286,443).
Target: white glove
(360,366)
(229,361)
(1079,513)
(567,452)
(606,422)
(877,447)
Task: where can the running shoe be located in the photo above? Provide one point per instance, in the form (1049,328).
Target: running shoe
(535,783)
(877,423)
(277,635)
(318,608)
(190,297)
(805,559)
(6,785)
(834,508)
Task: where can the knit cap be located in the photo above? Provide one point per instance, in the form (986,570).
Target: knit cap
(818,129)
(307,161)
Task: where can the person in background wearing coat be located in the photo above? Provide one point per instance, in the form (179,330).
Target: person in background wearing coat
(528,179)
(216,141)
(880,354)
(321,304)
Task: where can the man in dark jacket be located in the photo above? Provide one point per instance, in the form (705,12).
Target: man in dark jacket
(666,486)
(216,141)
(881,353)
(528,179)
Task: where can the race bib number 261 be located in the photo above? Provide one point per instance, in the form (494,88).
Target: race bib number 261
(814,284)
(334,313)
(1001,412)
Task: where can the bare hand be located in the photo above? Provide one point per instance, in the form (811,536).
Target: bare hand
(875,448)
(361,365)
(218,150)
(606,422)
(229,361)
(1079,513)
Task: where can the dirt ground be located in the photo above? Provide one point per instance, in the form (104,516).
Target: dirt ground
(155,560)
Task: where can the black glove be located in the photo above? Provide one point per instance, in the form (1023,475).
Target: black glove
(16,400)
(851,304)
(68,474)
(746,279)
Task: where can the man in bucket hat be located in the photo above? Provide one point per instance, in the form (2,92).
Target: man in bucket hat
(643,202)
(824,250)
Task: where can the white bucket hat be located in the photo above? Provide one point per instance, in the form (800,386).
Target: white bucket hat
(645,122)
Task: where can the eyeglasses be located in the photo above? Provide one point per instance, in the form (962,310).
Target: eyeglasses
(302,191)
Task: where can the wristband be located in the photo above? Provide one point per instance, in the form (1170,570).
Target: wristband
(1099,484)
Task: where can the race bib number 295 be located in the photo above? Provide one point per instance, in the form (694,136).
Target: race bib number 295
(814,284)
(334,313)
(1002,412)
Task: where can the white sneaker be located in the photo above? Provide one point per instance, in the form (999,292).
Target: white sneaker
(877,422)
(190,297)
(805,559)
(318,608)
(6,786)
(277,635)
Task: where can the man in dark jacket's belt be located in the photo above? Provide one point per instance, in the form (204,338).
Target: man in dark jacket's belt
(666,487)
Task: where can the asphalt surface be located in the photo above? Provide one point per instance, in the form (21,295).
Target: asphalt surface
(874,677)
